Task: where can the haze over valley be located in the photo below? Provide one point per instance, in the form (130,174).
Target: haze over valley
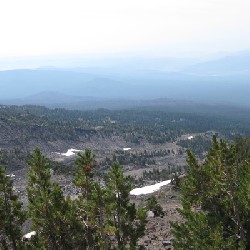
(224,80)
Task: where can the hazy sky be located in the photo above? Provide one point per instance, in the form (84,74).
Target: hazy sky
(151,27)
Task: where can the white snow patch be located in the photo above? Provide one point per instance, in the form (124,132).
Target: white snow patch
(71,152)
(149,189)
(29,235)
(126,149)
(190,137)
(10,175)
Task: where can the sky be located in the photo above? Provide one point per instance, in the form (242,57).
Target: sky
(130,27)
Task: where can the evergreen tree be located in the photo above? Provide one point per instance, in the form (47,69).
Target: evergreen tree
(11,215)
(216,201)
(53,217)
(105,209)
(85,163)
(98,214)
(127,221)
(87,200)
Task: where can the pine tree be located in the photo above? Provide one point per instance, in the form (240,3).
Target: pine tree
(53,217)
(98,214)
(127,221)
(216,201)
(85,163)
(11,214)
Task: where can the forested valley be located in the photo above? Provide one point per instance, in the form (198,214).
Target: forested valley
(82,199)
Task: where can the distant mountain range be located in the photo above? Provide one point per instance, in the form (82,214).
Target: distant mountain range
(223,80)
(238,64)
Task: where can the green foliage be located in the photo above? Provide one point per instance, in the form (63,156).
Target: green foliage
(53,216)
(97,214)
(11,215)
(216,201)
(90,203)
(84,176)
(200,232)
(242,148)
(111,220)
(127,221)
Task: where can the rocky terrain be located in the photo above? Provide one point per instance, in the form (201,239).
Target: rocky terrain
(158,230)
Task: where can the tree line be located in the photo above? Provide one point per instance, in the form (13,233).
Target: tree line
(156,126)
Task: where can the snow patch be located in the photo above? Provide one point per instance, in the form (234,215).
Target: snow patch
(126,149)
(29,235)
(10,175)
(149,189)
(71,152)
(190,137)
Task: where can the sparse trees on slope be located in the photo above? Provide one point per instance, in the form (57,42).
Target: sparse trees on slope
(216,201)
(11,215)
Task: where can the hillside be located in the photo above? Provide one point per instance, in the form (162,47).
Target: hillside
(150,143)
(23,128)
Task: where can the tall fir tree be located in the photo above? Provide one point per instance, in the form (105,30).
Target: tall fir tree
(12,216)
(128,221)
(86,163)
(98,214)
(216,201)
(53,217)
